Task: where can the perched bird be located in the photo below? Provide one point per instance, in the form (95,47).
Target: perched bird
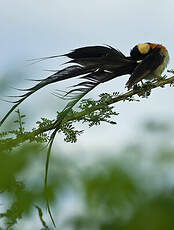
(98,64)
(151,58)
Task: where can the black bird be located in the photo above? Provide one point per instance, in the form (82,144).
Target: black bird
(98,64)
(151,58)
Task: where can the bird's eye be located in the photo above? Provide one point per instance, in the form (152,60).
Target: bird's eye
(143,48)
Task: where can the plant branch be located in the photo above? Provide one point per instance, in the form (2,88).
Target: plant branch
(140,91)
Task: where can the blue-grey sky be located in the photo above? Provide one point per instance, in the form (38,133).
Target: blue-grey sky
(39,28)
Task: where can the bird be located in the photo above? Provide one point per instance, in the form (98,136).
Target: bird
(98,64)
(152,58)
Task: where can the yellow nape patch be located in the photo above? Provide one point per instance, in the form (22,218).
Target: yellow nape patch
(143,48)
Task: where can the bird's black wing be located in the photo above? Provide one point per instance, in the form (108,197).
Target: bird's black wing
(88,51)
(92,51)
(146,67)
(90,55)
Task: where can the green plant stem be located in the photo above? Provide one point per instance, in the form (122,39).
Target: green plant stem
(78,115)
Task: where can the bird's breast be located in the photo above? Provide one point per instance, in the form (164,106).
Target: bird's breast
(161,67)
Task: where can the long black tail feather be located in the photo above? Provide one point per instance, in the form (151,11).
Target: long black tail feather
(66,73)
(57,125)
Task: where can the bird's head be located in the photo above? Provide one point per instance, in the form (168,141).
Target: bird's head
(140,51)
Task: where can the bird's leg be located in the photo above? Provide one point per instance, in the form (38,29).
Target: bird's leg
(157,78)
(142,83)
